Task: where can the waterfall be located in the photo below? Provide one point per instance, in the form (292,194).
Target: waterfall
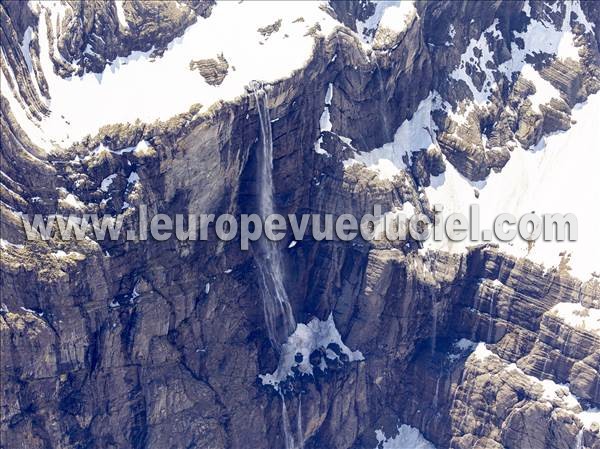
(579,440)
(279,316)
(543,373)
(299,424)
(434,318)
(565,344)
(388,135)
(476,306)
(278,312)
(287,433)
(437,393)
(491,325)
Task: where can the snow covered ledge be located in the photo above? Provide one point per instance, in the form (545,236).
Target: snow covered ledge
(578,317)
(80,105)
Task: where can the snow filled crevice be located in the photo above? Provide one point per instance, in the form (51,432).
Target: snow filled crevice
(310,348)
(127,88)
(325,121)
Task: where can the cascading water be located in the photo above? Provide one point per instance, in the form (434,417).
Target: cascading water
(437,393)
(434,322)
(382,99)
(491,325)
(579,440)
(287,432)
(278,312)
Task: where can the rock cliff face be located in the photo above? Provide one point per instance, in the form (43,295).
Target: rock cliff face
(148,344)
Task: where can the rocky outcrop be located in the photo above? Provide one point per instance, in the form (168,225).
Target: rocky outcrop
(213,71)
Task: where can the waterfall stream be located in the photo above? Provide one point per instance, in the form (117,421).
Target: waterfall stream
(579,440)
(491,324)
(278,311)
(434,322)
(279,316)
(386,127)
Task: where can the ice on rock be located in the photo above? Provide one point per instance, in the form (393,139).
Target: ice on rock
(325,121)
(307,338)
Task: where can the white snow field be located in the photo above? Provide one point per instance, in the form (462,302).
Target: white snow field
(558,176)
(149,89)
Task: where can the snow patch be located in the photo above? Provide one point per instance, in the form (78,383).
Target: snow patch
(408,437)
(414,134)
(461,348)
(397,17)
(82,104)
(6,244)
(590,418)
(71,200)
(394,16)
(464,344)
(133,178)
(536,181)
(479,58)
(557,394)
(578,316)
(544,91)
(542,37)
(481,352)
(25,48)
(106,182)
(316,335)
(121,14)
